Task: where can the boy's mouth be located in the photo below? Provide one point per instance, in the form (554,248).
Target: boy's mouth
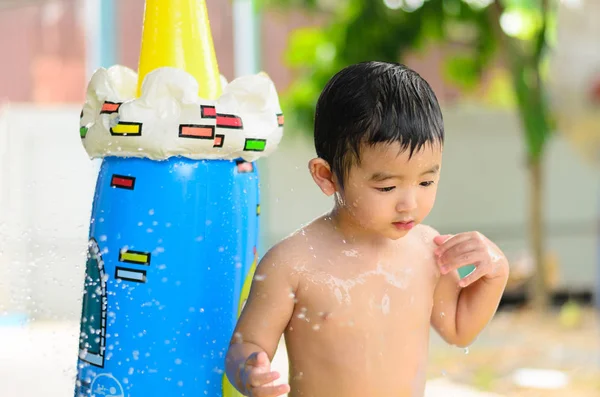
(406,225)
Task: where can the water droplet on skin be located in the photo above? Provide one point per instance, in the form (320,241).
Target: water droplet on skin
(316,327)
(351,253)
(259,277)
(385,304)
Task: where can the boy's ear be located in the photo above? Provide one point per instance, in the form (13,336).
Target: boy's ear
(322,175)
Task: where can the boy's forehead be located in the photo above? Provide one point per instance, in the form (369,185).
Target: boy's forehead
(394,154)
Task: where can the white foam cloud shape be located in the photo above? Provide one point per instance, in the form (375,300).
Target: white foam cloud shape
(169,119)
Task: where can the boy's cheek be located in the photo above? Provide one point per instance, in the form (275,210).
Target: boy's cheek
(427,205)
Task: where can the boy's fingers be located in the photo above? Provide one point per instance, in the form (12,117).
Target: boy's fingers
(457,251)
(259,379)
(262,360)
(258,360)
(468,258)
(442,238)
(451,242)
(270,391)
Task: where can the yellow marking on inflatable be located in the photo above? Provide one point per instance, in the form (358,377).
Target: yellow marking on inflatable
(127,128)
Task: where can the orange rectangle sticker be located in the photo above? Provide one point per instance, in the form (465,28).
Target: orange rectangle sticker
(196,131)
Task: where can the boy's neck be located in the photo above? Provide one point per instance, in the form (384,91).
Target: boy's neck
(344,223)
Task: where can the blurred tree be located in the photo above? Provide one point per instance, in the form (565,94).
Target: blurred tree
(514,33)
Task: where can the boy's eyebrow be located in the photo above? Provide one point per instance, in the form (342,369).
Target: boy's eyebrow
(382,176)
(432,170)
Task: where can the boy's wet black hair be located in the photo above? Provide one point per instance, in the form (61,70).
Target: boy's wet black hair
(370,103)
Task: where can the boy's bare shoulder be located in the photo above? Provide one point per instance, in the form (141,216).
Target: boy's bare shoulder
(427,233)
(279,265)
(424,235)
(297,248)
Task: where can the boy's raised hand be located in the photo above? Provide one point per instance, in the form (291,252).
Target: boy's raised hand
(471,248)
(257,377)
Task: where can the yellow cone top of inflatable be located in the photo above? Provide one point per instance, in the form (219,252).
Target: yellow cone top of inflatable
(177,34)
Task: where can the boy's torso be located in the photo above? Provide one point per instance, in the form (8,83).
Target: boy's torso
(360,325)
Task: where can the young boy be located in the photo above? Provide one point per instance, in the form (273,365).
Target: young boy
(355,291)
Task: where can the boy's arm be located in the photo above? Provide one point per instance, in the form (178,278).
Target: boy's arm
(462,308)
(267,312)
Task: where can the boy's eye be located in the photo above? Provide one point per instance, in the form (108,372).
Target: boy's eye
(386,189)
(427,183)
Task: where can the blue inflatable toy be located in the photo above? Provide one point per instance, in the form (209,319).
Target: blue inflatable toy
(174,223)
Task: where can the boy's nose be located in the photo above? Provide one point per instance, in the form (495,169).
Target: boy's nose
(408,202)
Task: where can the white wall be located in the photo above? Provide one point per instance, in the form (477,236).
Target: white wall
(47,185)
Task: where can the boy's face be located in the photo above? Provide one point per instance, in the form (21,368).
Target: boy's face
(388,193)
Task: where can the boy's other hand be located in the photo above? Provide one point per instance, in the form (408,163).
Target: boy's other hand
(257,377)
(471,248)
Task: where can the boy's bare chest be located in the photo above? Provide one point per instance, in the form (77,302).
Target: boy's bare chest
(379,298)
